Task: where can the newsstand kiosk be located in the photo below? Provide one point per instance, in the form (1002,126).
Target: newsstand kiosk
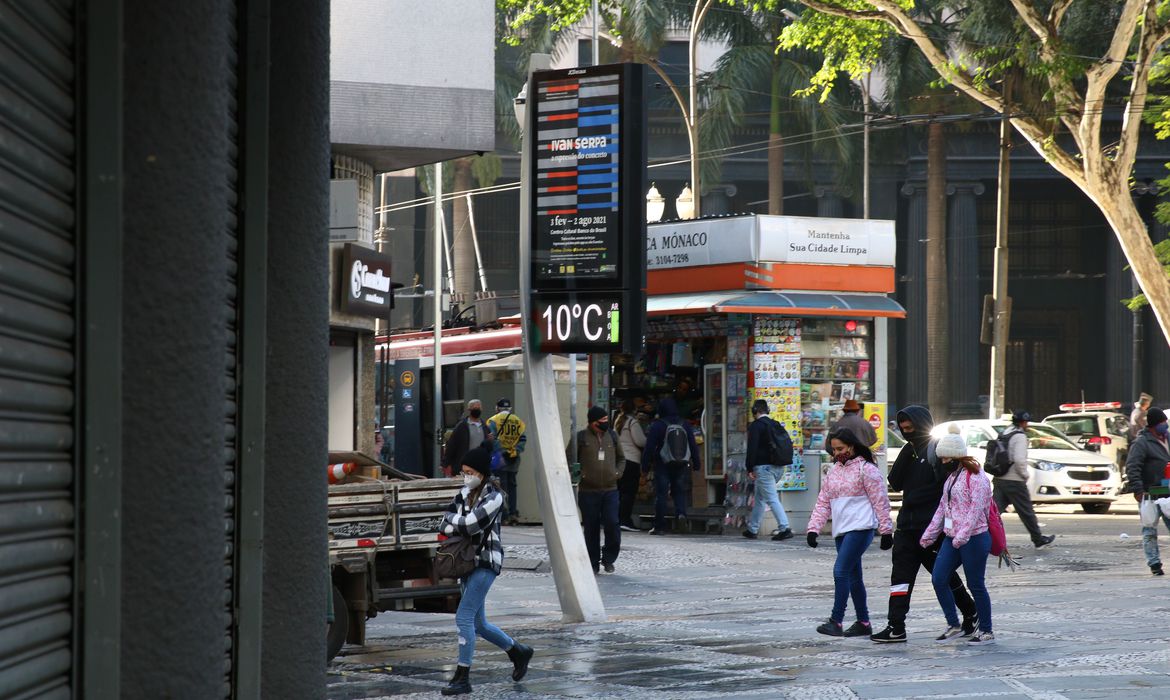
(789,309)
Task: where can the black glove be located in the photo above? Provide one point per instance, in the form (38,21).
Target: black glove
(812,540)
(887,541)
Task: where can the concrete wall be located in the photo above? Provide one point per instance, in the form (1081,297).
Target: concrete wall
(412,82)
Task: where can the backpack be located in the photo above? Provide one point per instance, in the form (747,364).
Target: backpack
(996,461)
(780,445)
(676,445)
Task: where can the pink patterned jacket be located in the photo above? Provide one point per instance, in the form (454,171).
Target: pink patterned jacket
(963,513)
(855,495)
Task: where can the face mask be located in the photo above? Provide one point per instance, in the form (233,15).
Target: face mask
(1162,429)
(475,412)
(842,457)
(471,481)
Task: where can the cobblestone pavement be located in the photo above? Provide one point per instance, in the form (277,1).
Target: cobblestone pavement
(726,617)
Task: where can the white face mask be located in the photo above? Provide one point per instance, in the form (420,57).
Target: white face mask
(471,481)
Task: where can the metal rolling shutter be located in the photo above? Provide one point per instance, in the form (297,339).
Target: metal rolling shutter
(37,190)
(231,359)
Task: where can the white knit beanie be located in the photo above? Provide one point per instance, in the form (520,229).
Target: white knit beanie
(951,445)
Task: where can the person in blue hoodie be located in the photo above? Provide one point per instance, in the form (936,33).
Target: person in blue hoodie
(670,449)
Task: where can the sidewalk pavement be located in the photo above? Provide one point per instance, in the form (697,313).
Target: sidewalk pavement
(727,617)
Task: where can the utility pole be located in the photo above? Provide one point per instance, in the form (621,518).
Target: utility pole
(596,50)
(1001,314)
(700,12)
(865,149)
(437,272)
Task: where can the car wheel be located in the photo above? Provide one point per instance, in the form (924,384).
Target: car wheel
(340,626)
(1095,508)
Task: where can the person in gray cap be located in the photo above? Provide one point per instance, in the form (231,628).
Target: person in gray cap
(1012,488)
(1145,466)
(599,453)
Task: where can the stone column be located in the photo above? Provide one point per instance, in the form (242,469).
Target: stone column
(966,306)
(914,379)
(830,202)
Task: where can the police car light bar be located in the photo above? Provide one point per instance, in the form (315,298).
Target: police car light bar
(1099,406)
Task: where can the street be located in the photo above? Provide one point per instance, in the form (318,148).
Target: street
(727,617)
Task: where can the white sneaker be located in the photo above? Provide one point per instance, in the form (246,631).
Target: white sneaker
(627,528)
(980,638)
(950,634)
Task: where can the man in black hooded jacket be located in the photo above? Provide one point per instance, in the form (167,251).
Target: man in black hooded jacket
(919,474)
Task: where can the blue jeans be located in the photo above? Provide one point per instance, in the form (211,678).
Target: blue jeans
(670,478)
(1150,540)
(600,509)
(766,497)
(508,481)
(973,556)
(847,581)
(470,619)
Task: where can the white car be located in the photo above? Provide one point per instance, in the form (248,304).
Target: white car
(1060,472)
(1096,427)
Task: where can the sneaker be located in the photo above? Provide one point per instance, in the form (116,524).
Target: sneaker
(950,634)
(750,535)
(859,629)
(1156,570)
(1046,539)
(970,624)
(833,629)
(628,528)
(656,531)
(889,636)
(785,534)
(608,567)
(980,638)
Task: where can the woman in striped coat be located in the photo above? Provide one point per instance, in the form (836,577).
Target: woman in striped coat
(475,512)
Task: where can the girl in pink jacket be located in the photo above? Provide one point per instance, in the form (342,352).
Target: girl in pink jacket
(854,493)
(962,517)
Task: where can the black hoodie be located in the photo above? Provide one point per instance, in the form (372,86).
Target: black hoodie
(918,472)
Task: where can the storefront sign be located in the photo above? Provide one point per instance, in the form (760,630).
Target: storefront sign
(770,239)
(365,281)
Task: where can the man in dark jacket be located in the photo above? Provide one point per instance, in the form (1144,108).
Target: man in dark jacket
(599,453)
(467,435)
(764,472)
(1144,467)
(668,476)
(919,474)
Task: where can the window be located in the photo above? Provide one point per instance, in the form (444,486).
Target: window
(1075,426)
(1117,425)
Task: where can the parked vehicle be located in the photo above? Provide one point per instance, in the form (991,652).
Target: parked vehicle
(383,533)
(894,445)
(1060,471)
(1099,427)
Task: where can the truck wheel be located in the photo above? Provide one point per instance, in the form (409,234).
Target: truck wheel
(1095,508)
(340,626)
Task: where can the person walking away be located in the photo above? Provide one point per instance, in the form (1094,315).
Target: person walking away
(475,512)
(1012,487)
(509,442)
(632,437)
(599,453)
(670,449)
(852,419)
(1137,417)
(1145,467)
(853,493)
(469,433)
(961,517)
(766,440)
(919,474)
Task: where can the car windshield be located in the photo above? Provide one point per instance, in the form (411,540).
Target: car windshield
(1074,426)
(1042,437)
(894,439)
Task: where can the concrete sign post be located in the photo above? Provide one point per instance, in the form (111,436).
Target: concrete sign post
(576,585)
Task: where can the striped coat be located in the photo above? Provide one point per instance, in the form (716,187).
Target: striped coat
(469,522)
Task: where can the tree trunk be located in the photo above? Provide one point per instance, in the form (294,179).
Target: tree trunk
(462,245)
(1116,203)
(937,306)
(775,148)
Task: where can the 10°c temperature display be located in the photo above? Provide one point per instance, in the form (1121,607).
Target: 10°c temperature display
(578,325)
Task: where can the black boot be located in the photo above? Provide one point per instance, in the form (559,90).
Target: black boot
(460,683)
(520,656)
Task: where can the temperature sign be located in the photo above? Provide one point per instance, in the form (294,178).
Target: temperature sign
(578,323)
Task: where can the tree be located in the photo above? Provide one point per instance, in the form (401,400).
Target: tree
(1058,44)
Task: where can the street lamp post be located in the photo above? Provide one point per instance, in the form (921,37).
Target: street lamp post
(576,585)
(701,8)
